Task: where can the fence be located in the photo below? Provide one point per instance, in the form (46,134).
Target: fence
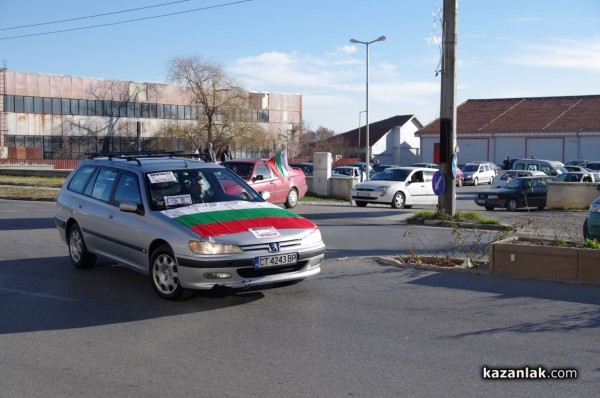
(56,164)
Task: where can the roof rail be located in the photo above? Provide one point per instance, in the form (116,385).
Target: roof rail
(136,155)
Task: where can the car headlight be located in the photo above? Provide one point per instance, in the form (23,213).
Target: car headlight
(313,238)
(595,208)
(382,189)
(200,247)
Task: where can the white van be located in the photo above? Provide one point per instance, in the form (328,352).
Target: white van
(550,167)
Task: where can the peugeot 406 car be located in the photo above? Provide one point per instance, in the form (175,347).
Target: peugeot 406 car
(186,223)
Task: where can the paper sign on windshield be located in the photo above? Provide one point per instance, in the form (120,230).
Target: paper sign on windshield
(162,176)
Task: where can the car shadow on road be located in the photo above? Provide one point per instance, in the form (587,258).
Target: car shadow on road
(50,294)
(17,224)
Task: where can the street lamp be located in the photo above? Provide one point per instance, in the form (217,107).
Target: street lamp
(359,114)
(367,151)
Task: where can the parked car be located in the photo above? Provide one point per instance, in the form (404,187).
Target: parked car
(261,175)
(520,192)
(497,169)
(591,225)
(348,171)
(426,165)
(576,162)
(477,173)
(570,167)
(399,187)
(593,165)
(550,167)
(145,213)
(508,175)
(460,177)
(378,168)
(578,176)
(307,168)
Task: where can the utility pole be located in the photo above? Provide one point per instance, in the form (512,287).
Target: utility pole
(447,200)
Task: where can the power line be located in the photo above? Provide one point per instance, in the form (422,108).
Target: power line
(93,16)
(126,21)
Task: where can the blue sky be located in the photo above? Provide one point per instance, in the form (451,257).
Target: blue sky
(507,48)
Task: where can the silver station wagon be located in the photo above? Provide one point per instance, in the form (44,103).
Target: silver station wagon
(188,224)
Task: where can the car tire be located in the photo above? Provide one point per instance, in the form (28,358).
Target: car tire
(164,274)
(512,204)
(489,208)
(292,199)
(475,181)
(360,203)
(78,252)
(586,235)
(398,200)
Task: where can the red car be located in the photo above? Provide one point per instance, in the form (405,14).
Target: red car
(261,176)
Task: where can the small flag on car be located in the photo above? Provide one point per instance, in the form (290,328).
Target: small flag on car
(280,164)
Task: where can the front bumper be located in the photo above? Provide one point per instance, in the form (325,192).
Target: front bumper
(194,274)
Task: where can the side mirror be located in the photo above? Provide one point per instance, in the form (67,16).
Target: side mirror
(130,207)
(257,178)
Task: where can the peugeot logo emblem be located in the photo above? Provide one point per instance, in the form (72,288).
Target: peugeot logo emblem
(273,247)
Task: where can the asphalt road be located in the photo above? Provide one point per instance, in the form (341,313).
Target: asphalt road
(361,328)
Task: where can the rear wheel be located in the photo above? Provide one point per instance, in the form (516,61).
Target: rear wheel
(292,198)
(398,200)
(476,181)
(80,256)
(512,204)
(164,274)
(360,203)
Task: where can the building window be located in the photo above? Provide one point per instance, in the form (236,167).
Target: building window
(153,111)
(99,108)
(74,107)
(91,111)
(9,103)
(37,105)
(56,106)
(28,104)
(122,109)
(19,104)
(145,110)
(66,106)
(83,107)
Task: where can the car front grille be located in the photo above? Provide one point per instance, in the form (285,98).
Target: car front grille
(283,245)
(364,189)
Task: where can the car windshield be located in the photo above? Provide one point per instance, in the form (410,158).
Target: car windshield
(471,167)
(391,175)
(183,187)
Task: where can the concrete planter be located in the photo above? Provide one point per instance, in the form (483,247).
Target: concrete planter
(520,256)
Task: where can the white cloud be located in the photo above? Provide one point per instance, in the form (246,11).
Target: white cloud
(579,55)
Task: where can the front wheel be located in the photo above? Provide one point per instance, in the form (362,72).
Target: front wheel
(164,274)
(80,256)
(476,181)
(398,200)
(512,204)
(489,208)
(292,198)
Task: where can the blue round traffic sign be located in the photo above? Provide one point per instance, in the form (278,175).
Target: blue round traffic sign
(438,183)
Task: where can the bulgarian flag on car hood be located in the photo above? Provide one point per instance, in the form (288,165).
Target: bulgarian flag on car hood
(223,218)
(280,163)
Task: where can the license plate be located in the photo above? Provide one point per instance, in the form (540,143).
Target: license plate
(273,261)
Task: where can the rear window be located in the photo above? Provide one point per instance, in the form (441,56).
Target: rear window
(77,183)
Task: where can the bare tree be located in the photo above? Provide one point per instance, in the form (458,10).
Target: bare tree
(224,116)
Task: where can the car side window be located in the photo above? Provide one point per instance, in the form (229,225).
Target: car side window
(532,167)
(103,184)
(79,180)
(127,190)
(417,177)
(263,169)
